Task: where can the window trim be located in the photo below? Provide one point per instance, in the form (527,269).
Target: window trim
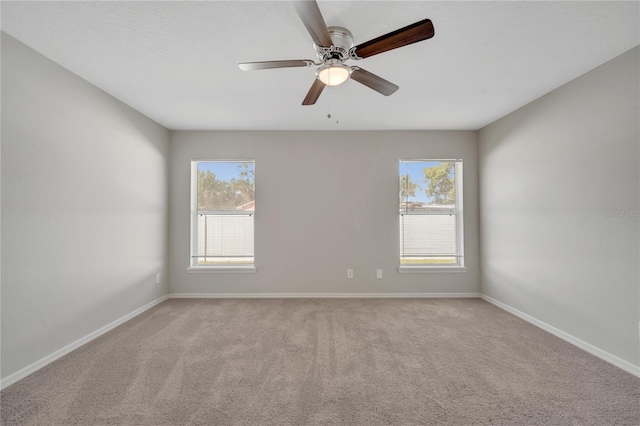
(431,269)
(212,269)
(459,267)
(248,268)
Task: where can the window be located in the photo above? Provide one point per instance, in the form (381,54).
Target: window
(431,214)
(222,214)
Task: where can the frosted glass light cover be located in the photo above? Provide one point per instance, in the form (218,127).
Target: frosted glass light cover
(333,75)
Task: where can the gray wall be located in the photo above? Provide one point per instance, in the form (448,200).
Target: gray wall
(84,207)
(325,202)
(554,177)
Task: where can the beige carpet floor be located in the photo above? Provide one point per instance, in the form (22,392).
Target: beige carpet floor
(329,362)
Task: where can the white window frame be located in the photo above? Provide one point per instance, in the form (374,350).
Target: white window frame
(193,236)
(459,211)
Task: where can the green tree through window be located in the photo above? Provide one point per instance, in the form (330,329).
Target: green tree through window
(217,194)
(440,183)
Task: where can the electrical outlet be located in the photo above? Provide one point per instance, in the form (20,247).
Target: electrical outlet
(379,274)
(349,273)
(158,278)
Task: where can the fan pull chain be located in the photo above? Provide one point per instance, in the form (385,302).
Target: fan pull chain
(329,100)
(329,104)
(337,88)
(336,106)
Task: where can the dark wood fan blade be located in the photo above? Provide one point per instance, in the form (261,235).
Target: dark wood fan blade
(253,66)
(378,84)
(309,13)
(314,93)
(413,33)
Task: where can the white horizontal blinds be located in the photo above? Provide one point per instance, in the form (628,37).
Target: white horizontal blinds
(224,233)
(429,235)
(429,213)
(221,236)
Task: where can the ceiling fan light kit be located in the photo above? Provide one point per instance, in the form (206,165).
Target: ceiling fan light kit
(333,74)
(334,46)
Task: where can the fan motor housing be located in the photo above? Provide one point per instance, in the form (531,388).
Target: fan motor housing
(342,41)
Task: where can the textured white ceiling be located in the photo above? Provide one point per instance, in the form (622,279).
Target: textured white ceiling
(176,62)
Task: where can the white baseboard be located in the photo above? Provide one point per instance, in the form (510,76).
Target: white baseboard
(319,295)
(593,350)
(604,355)
(32,368)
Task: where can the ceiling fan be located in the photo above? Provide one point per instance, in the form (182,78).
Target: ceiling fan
(334,46)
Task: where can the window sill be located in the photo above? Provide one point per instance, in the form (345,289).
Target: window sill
(246,269)
(431,269)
